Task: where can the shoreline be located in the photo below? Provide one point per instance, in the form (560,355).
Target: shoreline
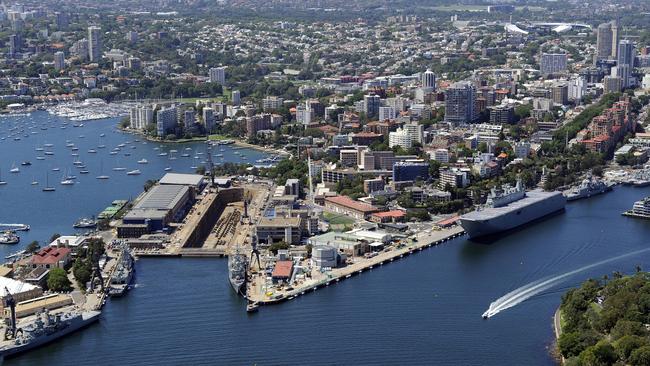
(236,142)
(557,330)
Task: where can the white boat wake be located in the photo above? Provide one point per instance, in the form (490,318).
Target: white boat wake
(527,291)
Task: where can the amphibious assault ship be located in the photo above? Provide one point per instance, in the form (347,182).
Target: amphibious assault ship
(509,208)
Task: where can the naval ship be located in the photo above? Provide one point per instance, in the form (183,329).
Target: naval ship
(123,275)
(509,208)
(588,188)
(237,267)
(44,329)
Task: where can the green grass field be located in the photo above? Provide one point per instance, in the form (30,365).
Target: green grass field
(335,219)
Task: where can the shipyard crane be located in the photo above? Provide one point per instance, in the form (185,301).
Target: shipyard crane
(8,301)
(255,253)
(210,165)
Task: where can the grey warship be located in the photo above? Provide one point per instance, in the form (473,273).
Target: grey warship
(509,208)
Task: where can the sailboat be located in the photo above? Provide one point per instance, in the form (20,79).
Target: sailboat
(101,172)
(47,187)
(66,180)
(34,181)
(2,182)
(14,168)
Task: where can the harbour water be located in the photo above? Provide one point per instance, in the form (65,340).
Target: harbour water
(55,212)
(423,309)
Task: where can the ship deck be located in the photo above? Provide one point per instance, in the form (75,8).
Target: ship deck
(490,213)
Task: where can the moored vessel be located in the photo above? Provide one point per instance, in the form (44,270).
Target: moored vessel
(509,208)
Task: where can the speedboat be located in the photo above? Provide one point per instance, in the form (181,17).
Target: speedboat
(133,172)
(26,163)
(143,161)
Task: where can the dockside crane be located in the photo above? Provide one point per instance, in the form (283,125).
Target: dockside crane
(255,253)
(8,301)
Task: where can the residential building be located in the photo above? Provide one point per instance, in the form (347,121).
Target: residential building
(455,177)
(607,41)
(401,138)
(59,60)
(372,103)
(553,63)
(441,155)
(166,121)
(625,62)
(217,75)
(502,114)
(460,103)
(94,43)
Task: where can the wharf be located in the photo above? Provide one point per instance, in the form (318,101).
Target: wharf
(257,292)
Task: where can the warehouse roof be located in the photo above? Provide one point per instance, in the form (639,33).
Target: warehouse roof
(182,179)
(279,222)
(162,197)
(14,287)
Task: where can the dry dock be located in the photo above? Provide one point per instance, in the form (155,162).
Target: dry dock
(259,293)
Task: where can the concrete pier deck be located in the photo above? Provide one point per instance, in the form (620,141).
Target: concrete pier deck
(258,293)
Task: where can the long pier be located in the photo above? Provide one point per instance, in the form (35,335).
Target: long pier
(259,296)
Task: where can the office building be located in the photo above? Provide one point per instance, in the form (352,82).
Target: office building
(428,81)
(553,63)
(94,43)
(166,121)
(460,100)
(275,229)
(218,75)
(410,171)
(625,62)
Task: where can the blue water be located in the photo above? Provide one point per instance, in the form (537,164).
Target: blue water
(422,310)
(55,212)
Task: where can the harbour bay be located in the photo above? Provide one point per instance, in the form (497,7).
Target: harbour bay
(424,309)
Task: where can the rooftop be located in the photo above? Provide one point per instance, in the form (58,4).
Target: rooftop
(50,255)
(279,222)
(282,269)
(182,179)
(352,204)
(13,286)
(162,197)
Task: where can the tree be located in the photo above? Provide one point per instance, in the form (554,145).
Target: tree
(54,237)
(82,270)
(627,344)
(640,356)
(148,184)
(601,354)
(57,280)
(32,247)
(278,246)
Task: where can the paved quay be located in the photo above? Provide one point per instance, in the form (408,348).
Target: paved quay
(258,293)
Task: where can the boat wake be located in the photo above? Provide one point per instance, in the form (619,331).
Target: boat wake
(527,291)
